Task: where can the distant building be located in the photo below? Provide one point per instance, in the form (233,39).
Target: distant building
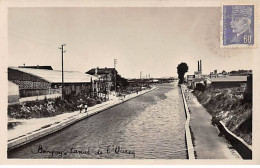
(37,67)
(229,81)
(190,78)
(198,77)
(106,74)
(35,82)
(240,73)
(198,73)
(203,81)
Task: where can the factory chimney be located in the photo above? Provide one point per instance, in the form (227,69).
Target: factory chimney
(200,66)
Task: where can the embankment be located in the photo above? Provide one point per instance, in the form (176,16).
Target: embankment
(230,111)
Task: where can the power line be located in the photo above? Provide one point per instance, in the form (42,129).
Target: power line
(40,41)
(29,34)
(34,41)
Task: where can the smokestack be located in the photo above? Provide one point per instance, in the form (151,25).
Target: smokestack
(200,66)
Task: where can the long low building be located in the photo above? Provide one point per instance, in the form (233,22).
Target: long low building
(229,81)
(35,82)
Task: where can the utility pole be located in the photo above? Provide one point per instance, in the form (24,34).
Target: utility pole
(62,89)
(115,62)
(141,75)
(107,89)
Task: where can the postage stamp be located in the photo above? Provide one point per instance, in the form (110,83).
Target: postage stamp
(238,26)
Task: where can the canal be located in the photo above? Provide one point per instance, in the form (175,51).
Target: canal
(150,126)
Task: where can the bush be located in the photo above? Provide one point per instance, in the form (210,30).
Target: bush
(91,102)
(200,87)
(99,101)
(49,107)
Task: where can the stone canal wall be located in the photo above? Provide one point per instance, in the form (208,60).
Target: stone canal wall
(188,137)
(238,143)
(49,129)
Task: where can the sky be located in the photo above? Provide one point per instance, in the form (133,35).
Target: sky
(152,40)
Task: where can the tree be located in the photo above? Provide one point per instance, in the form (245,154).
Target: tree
(181,70)
(120,81)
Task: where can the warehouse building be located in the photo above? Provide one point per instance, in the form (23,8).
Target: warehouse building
(35,82)
(229,81)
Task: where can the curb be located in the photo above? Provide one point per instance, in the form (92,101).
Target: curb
(12,144)
(189,144)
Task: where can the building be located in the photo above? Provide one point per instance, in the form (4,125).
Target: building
(198,77)
(37,67)
(198,73)
(106,74)
(229,81)
(35,82)
(141,82)
(190,78)
(196,81)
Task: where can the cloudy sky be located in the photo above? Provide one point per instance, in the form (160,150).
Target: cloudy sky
(151,40)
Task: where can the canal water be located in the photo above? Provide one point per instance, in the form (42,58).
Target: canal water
(150,126)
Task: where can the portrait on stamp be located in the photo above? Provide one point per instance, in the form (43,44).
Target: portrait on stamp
(238,25)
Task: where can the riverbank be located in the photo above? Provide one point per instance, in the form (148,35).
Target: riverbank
(229,107)
(37,128)
(206,140)
(231,112)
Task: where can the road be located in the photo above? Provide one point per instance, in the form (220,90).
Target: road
(150,126)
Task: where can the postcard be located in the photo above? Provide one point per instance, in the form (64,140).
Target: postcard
(129,82)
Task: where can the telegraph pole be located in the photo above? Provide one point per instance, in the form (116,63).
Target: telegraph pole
(115,62)
(62,89)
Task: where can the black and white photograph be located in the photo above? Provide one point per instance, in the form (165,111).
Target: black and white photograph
(126,82)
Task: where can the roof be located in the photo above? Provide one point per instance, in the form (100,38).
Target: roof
(199,79)
(37,67)
(101,70)
(54,76)
(230,79)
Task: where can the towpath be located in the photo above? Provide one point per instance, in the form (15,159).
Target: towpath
(207,142)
